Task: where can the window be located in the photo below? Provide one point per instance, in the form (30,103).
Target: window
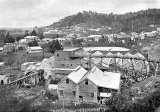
(86,82)
(71,64)
(74,93)
(92,94)
(62,65)
(61,92)
(57,54)
(67,80)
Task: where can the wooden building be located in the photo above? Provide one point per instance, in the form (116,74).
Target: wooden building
(68,86)
(91,86)
(67,58)
(98,85)
(87,88)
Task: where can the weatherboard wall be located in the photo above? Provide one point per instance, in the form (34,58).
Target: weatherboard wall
(62,60)
(86,90)
(67,89)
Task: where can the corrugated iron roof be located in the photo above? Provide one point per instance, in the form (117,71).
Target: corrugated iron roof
(138,55)
(109,54)
(110,80)
(77,74)
(103,79)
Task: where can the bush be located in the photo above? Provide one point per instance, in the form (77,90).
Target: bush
(119,103)
(55,81)
(52,97)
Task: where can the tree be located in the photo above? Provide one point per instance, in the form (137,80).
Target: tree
(58,46)
(33,43)
(33,33)
(8,38)
(19,38)
(54,45)
(2,38)
(26,33)
(41,36)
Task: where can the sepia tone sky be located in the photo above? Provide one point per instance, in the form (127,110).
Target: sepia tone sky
(30,13)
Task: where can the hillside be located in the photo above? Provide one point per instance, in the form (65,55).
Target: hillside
(132,21)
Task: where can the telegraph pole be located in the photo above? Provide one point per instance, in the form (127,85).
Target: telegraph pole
(63,98)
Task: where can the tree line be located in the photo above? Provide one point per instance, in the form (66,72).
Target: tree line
(132,21)
(7,37)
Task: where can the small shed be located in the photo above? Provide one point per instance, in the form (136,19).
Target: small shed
(4,79)
(34,49)
(25,65)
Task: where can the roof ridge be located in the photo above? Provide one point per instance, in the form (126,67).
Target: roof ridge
(84,76)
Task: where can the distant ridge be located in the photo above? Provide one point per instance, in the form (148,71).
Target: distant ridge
(132,21)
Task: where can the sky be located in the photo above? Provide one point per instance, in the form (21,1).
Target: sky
(31,13)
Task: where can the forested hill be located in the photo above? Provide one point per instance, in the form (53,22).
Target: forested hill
(132,21)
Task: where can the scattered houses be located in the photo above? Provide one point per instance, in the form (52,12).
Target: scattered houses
(53,34)
(31,38)
(9,48)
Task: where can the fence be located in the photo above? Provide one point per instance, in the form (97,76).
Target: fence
(82,110)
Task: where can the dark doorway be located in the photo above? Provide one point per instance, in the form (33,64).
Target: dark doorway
(81,98)
(2,82)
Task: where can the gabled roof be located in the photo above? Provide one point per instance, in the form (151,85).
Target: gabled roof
(81,52)
(138,55)
(119,54)
(109,54)
(128,55)
(103,79)
(44,61)
(76,75)
(2,77)
(94,75)
(97,53)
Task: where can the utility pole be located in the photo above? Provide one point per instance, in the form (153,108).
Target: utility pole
(42,53)
(63,98)
(90,59)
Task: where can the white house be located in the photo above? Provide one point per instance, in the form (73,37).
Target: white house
(158,29)
(31,38)
(95,37)
(48,68)
(1,49)
(23,41)
(34,49)
(25,65)
(3,79)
